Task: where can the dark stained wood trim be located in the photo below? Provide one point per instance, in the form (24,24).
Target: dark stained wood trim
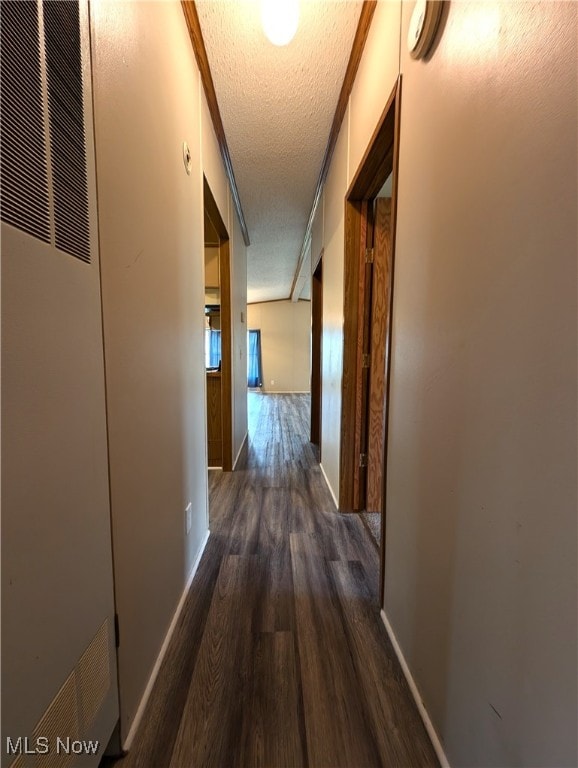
(379,160)
(194,27)
(363,25)
(212,211)
(397,128)
(348,458)
(361,346)
(380,322)
(226,356)
(315,263)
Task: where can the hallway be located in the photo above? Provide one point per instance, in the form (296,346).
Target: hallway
(280,657)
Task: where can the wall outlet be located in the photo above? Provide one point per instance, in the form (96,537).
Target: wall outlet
(189,516)
(272,382)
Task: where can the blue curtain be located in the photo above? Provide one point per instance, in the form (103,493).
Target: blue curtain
(254,374)
(215,349)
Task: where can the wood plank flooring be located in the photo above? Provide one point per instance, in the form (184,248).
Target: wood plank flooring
(280,657)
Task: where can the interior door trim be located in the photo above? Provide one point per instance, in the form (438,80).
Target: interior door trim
(380,159)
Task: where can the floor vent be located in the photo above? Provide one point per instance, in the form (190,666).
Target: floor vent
(59,722)
(94,675)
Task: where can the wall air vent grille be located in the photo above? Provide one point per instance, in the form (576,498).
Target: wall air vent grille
(59,722)
(67,133)
(24,196)
(94,675)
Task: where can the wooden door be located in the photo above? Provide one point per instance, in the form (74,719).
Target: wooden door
(378,353)
(363,353)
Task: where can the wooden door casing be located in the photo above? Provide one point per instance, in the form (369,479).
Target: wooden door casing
(380,320)
(362,349)
(378,162)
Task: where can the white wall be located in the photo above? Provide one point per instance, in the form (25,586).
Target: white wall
(481,566)
(285,344)
(147,102)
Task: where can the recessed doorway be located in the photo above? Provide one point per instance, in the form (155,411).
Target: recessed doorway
(316,353)
(218,336)
(368,294)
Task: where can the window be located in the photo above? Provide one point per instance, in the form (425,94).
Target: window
(254,368)
(212,348)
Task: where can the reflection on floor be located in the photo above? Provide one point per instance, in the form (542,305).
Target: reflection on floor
(373,522)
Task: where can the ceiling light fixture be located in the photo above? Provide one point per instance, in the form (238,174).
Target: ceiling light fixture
(280,19)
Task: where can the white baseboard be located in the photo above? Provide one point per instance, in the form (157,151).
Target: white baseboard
(240,451)
(416,695)
(329,486)
(153,676)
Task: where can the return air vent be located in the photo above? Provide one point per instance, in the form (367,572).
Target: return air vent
(44,187)
(67,136)
(59,722)
(24,198)
(94,676)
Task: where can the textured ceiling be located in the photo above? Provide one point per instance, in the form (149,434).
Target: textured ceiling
(277,106)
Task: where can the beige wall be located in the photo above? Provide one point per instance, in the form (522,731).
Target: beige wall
(481,495)
(375,79)
(212,163)
(57,589)
(332,342)
(147,102)
(285,344)
(317,238)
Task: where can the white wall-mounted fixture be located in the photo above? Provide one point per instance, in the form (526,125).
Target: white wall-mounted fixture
(280,19)
(423,26)
(187,159)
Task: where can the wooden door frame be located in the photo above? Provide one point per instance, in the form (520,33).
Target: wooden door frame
(214,215)
(379,160)
(316,351)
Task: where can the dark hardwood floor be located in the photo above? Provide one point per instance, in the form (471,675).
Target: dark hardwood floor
(280,657)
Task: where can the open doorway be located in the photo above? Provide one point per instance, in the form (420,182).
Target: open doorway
(218,336)
(368,294)
(316,353)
